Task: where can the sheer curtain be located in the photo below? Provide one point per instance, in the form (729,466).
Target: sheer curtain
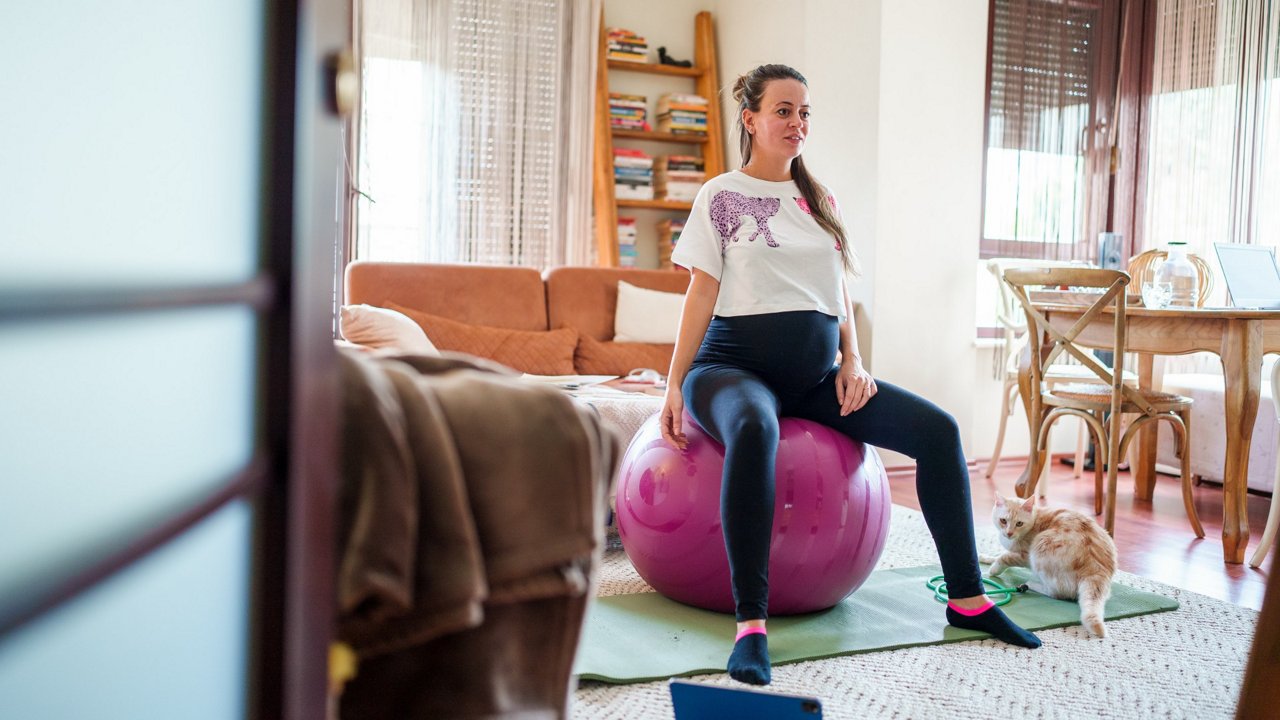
(1213,126)
(475,131)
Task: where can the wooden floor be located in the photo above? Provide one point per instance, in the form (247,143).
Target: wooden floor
(1153,538)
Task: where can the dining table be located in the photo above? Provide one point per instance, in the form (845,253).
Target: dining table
(1238,336)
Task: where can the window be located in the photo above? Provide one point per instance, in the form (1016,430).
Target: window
(463,131)
(1045,125)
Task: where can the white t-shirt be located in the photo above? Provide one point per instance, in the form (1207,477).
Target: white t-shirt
(758,239)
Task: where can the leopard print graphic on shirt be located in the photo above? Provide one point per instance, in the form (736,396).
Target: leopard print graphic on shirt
(729,207)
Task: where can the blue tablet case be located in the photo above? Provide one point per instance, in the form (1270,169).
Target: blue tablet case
(697,701)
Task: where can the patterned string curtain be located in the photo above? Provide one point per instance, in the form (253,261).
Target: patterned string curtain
(1213,128)
(475,132)
(1051,78)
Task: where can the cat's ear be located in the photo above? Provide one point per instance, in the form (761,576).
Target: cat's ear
(1000,501)
(1030,504)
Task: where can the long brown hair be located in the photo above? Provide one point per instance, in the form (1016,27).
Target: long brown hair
(748,90)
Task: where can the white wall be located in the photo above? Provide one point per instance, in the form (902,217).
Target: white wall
(898,96)
(932,82)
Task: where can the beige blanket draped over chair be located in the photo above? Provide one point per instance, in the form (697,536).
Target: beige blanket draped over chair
(472,515)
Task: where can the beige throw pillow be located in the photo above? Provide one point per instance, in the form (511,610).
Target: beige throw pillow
(382,328)
(646,316)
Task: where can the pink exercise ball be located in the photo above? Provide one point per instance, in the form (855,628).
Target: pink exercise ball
(830,521)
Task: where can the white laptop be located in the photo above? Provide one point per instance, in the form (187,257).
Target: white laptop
(1251,274)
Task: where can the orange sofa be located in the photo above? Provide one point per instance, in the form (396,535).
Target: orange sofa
(510,313)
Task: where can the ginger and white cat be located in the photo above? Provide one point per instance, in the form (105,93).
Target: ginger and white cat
(1074,558)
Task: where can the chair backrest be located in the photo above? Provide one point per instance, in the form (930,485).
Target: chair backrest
(1142,268)
(1009,313)
(1045,352)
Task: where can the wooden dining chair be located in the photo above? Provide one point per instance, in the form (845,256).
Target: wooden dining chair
(1273,516)
(1091,402)
(1013,324)
(1142,268)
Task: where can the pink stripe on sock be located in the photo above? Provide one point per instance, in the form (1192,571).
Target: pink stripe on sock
(971,613)
(750,631)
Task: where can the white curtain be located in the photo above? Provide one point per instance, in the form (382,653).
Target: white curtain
(475,133)
(1214,127)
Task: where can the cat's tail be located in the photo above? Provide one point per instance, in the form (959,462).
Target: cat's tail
(1093,594)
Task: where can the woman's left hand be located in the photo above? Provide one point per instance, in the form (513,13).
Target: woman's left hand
(854,386)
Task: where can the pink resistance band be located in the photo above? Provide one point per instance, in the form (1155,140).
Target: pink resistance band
(750,631)
(971,613)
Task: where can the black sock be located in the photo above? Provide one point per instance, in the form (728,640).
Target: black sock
(993,620)
(749,662)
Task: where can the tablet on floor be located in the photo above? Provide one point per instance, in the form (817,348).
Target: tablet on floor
(698,701)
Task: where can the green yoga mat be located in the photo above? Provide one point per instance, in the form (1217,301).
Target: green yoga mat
(645,636)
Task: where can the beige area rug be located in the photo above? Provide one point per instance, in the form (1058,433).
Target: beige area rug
(1188,663)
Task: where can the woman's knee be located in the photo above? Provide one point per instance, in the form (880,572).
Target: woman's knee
(754,428)
(939,428)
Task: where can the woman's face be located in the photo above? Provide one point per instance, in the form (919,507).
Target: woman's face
(781,126)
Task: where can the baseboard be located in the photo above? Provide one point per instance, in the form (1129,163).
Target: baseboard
(975,463)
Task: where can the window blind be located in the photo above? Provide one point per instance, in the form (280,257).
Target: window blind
(1043,129)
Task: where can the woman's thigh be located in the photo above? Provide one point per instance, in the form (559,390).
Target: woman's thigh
(722,398)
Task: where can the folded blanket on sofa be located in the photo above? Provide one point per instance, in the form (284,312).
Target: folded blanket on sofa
(460,487)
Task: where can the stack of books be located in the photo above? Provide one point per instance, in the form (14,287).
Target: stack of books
(668,235)
(682,114)
(626,45)
(632,174)
(627,112)
(678,177)
(626,242)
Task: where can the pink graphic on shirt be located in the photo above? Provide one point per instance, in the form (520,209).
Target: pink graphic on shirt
(804,205)
(728,208)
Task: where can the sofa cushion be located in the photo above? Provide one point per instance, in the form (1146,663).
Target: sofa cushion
(494,295)
(376,327)
(648,316)
(535,352)
(587,298)
(602,357)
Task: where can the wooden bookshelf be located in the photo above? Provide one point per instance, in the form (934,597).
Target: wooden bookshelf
(705,79)
(654,68)
(655,136)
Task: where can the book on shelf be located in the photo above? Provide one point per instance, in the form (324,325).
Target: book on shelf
(628,100)
(626,241)
(678,177)
(623,44)
(679,163)
(680,129)
(632,174)
(624,191)
(681,101)
(668,235)
(682,114)
(628,112)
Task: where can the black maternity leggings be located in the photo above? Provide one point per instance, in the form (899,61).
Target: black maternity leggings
(752,370)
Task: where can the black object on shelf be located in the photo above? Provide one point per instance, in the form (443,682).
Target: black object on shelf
(665,59)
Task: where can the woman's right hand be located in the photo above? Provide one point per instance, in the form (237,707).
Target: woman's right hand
(673,417)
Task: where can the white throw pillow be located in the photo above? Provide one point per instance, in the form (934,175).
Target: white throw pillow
(382,328)
(648,316)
